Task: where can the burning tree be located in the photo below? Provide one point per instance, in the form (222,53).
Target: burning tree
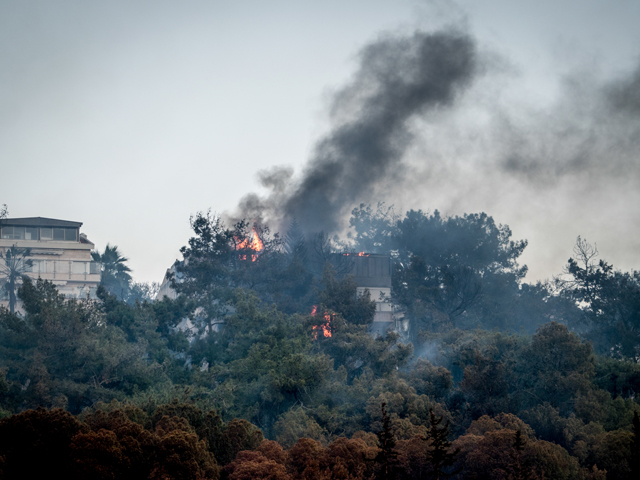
(325,326)
(252,243)
(217,260)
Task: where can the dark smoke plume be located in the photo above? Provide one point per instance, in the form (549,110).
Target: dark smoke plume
(592,131)
(403,133)
(399,78)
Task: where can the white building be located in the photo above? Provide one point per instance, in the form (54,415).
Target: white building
(373,272)
(58,251)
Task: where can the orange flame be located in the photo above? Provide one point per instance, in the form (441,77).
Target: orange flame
(254,243)
(359,254)
(326,326)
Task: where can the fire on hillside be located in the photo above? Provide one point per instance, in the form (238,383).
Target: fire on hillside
(252,242)
(326,326)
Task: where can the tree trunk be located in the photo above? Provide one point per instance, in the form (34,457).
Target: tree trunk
(12,295)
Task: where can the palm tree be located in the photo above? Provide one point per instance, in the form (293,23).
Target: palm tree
(16,264)
(115,273)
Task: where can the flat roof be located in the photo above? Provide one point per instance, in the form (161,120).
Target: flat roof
(39,222)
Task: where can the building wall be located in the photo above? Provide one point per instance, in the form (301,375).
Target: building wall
(67,264)
(372,270)
(382,297)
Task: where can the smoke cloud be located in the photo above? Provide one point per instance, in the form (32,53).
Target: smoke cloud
(431,121)
(398,79)
(568,166)
(592,131)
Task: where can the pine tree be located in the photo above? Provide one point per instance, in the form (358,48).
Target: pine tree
(441,456)
(520,471)
(294,240)
(387,458)
(634,461)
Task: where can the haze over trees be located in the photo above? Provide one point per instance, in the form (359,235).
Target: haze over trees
(264,365)
(116,277)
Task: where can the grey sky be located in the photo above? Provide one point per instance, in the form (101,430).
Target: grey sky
(130,118)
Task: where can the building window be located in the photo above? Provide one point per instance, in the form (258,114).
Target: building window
(94,268)
(13,233)
(46,233)
(36,266)
(31,233)
(78,267)
(65,234)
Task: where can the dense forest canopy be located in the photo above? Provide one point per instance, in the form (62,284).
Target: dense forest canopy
(264,366)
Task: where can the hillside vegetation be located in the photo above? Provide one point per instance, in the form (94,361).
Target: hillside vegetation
(264,367)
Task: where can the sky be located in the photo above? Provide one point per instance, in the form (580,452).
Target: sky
(132,116)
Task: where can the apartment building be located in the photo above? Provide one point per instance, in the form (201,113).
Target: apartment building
(58,252)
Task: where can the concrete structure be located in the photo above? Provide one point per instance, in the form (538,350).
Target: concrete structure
(165,289)
(373,272)
(59,252)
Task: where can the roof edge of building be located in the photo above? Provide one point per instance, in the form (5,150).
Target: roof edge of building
(40,222)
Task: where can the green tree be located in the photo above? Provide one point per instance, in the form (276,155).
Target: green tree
(521,470)
(555,368)
(441,454)
(295,242)
(449,271)
(64,353)
(609,301)
(217,260)
(387,458)
(634,461)
(15,264)
(583,272)
(486,385)
(238,435)
(116,276)
(340,296)
(612,451)
(296,424)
